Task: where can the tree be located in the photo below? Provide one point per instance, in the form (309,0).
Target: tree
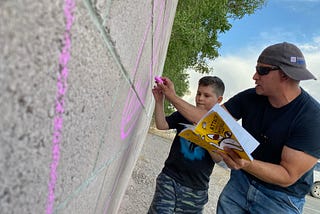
(194,37)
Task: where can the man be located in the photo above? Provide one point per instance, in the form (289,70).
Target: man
(285,119)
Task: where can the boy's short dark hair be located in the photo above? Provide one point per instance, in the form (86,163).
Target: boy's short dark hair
(215,82)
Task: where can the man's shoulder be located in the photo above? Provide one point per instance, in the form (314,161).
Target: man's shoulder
(246,92)
(310,101)
(249,91)
(306,110)
(247,95)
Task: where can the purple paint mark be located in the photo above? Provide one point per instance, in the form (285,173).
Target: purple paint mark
(133,108)
(157,37)
(158,27)
(143,42)
(141,47)
(59,103)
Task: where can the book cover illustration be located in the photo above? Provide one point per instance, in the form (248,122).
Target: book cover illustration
(218,129)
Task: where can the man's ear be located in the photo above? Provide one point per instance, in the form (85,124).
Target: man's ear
(283,76)
(220,98)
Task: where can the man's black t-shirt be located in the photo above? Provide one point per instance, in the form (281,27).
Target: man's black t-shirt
(296,125)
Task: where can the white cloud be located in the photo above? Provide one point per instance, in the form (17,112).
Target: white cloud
(237,71)
(313,65)
(316,39)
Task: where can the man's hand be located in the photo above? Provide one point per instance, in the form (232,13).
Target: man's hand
(215,156)
(233,160)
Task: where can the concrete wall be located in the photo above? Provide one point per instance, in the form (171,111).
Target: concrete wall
(75,101)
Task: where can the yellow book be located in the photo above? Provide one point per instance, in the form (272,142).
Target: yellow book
(218,129)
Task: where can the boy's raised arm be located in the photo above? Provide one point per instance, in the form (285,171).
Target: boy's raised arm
(188,110)
(160,118)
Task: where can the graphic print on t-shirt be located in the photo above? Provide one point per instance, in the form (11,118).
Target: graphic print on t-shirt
(190,150)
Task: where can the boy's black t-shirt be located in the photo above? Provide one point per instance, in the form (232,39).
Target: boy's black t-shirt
(296,125)
(187,163)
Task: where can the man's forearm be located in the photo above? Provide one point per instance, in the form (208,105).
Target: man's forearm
(270,173)
(189,111)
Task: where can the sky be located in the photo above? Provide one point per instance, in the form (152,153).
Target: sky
(294,21)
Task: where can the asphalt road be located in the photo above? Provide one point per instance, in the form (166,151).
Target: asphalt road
(312,205)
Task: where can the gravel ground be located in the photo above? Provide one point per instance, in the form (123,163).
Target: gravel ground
(141,186)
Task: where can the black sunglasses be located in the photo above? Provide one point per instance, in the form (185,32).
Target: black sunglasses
(261,70)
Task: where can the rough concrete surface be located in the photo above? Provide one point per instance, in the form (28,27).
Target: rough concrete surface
(76,102)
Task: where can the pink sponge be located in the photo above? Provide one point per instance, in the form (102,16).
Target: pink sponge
(158,80)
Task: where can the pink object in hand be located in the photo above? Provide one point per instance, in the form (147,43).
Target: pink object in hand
(158,80)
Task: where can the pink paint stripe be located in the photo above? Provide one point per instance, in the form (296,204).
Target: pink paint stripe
(134,71)
(157,37)
(132,108)
(59,104)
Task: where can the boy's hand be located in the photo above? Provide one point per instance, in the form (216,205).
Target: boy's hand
(157,94)
(167,87)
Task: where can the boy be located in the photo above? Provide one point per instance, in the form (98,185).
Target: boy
(182,185)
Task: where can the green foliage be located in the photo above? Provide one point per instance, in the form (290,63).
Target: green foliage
(194,37)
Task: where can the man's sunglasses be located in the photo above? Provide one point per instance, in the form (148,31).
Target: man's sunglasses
(261,70)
